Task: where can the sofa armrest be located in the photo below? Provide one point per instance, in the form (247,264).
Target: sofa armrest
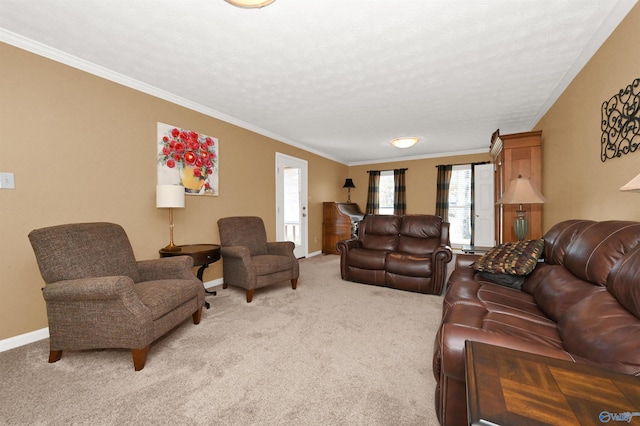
(464,260)
(439,260)
(165,268)
(344,246)
(84,289)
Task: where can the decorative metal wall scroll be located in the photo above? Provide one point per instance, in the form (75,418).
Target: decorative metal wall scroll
(621,123)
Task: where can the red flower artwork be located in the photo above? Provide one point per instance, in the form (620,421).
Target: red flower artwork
(182,148)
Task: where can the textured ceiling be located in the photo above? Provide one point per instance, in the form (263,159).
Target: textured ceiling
(340,78)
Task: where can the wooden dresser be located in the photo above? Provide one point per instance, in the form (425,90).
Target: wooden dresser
(339,222)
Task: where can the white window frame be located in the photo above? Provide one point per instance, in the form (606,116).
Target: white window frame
(386,175)
(463,195)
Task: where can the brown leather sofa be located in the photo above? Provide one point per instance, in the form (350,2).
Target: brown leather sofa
(407,252)
(581,304)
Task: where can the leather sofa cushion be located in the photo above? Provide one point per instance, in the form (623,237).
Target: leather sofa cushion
(380,232)
(409,265)
(492,297)
(601,330)
(367,259)
(468,322)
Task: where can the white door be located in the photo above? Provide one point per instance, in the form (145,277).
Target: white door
(291,202)
(483,231)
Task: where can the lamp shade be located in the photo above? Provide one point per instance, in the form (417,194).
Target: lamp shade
(520,191)
(170,196)
(633,185)
(348,183)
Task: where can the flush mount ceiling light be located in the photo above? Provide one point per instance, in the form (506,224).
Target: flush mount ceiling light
(250,4)
(404,142)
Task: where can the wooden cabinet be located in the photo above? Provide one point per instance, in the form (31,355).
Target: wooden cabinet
(339,222)
(513,155)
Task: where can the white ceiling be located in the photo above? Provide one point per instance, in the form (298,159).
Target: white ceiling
(340,78)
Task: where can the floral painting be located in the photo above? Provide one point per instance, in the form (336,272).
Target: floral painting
(189,159)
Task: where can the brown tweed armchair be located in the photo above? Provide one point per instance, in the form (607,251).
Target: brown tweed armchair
(99,296)
(249,261)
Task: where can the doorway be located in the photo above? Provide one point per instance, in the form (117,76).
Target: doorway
(291,202)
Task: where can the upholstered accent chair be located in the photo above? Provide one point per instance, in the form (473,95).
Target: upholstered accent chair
(249,261)
(99,296)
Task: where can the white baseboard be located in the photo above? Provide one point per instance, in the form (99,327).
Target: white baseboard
(24,339)
(213,283)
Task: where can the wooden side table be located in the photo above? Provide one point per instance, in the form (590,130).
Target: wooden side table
(509,387)
(203,255)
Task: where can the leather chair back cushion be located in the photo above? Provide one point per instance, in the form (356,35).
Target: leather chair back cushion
(247,231)
(599,329)
(624,282)
(380,232)
(560,290)
(558,238)
(419,234)
(83,250)
(595,251)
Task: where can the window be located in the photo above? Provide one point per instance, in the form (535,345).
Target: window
(460,205)
(386,192)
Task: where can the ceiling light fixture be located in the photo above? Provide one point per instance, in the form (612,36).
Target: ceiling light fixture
(404,142)
(250,4)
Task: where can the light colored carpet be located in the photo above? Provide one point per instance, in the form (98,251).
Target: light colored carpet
(329,353)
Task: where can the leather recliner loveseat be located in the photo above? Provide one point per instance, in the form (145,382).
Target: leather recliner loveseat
(581,304)
(408,252)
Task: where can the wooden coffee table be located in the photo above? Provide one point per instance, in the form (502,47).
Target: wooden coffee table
(509,387)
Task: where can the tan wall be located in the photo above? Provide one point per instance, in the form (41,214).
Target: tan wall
(421,177)
(83,149)
(575,181)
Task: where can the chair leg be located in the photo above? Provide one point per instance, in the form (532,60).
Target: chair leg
(294,283)
(139,357)
(250,295)
(54,356)
(224,285)
(197,315)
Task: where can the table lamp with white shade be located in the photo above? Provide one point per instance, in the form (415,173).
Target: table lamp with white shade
(171,197)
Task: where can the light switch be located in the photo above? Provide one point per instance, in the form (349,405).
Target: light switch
(7,181)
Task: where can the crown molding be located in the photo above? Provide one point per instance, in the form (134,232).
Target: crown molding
(49,52)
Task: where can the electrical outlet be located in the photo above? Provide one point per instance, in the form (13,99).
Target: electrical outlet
(7,181)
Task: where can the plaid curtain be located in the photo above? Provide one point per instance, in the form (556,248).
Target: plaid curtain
(442,191)
(373,196)
(399,192)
